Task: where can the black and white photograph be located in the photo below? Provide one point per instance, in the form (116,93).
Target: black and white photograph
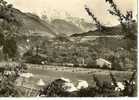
(68,48)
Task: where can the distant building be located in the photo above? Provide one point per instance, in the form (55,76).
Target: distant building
(102,62)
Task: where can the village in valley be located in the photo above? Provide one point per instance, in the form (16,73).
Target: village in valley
(67,57)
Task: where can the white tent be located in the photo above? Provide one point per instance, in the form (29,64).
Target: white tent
(41,83)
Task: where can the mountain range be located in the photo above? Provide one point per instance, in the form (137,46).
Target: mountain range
(32,24)
(35,26)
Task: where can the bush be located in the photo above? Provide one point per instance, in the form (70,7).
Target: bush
(34,59)
(87,92)
(8,81)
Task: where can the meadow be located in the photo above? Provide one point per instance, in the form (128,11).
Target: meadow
(50,73)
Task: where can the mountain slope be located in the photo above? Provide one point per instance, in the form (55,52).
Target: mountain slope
(85,26)
(117,30)
(65,27)
(33,24)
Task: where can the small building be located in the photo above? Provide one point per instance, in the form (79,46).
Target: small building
(103,63)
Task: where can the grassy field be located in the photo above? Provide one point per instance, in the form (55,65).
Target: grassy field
(49,73)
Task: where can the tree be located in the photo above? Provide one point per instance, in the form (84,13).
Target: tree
(1,38)
(10,47)
(9,27)
(126,20)
(8,81)
(98,24)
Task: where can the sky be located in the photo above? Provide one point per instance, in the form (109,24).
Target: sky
(75,8)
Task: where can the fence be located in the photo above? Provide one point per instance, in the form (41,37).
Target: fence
(31,92)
